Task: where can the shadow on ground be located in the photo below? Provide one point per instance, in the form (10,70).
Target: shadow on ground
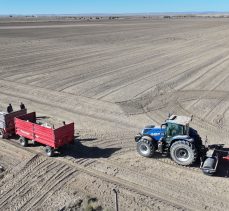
(79,150)
(158,155)
(223,165)
(42,117)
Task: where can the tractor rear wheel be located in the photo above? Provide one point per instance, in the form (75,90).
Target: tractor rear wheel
(23,141)
(183,153)
(49,151)
(146,147)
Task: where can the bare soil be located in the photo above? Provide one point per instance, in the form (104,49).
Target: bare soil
(111,78)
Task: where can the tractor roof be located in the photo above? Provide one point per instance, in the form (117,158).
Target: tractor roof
(180,120)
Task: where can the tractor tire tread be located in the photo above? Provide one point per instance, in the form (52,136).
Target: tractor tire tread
(147,141)
(191,147)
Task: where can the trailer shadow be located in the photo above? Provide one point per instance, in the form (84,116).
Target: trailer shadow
(42,117)
(78,150)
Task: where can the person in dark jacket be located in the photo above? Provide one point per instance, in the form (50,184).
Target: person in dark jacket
(9,108)
(22,106)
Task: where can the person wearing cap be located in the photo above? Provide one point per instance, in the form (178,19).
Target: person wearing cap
(22,106)
(9,108)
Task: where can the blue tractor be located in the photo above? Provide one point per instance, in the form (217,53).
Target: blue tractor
(173,137)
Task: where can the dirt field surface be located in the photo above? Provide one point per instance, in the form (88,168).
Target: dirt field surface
(112,78)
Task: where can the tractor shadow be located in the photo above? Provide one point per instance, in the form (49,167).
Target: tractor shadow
(159,156)
(223,165)
(79,150)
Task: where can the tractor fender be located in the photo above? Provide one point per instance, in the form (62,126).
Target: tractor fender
(144,136)
(148,137)
(151,139)
(181,138)
(185,138)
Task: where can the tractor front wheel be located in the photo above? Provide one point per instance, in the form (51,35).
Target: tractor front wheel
(183,153)
(146,147)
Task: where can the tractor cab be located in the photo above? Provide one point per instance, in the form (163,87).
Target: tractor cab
(175,126)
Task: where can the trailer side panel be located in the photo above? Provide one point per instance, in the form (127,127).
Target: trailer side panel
(44,135)
(24,128)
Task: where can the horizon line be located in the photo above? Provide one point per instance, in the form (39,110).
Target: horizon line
(123,14)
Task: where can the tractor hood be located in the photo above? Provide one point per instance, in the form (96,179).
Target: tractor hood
(154,131)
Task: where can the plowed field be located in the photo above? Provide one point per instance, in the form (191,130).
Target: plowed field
(111,78)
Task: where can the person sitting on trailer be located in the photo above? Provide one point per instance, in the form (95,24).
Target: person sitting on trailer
(9,108)
(22,106)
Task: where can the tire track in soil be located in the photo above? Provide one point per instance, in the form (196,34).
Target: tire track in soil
(25,193)
(53,185)
(129,199)
(125,184)
(146,77)
(87,162)
(110,142)
(134,188)
(31,184)
(35,162)
(122,171)
(179,97)
(73,110)
(20,180)
(215,105)
(184,75)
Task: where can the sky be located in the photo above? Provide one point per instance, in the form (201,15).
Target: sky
(109,6)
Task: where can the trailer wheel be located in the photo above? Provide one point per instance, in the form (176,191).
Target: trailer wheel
(23,141)
(146,147)
(49,151)
(183,153)
(34,143)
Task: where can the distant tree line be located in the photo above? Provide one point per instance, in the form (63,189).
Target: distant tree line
(195,16)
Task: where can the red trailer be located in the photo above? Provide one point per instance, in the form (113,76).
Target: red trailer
(7,127)
(28,129)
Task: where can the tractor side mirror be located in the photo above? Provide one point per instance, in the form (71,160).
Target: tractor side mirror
(163,126)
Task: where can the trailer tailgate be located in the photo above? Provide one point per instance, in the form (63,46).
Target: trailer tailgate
(64,135)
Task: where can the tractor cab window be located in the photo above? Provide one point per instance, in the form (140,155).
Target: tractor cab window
(174,130)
